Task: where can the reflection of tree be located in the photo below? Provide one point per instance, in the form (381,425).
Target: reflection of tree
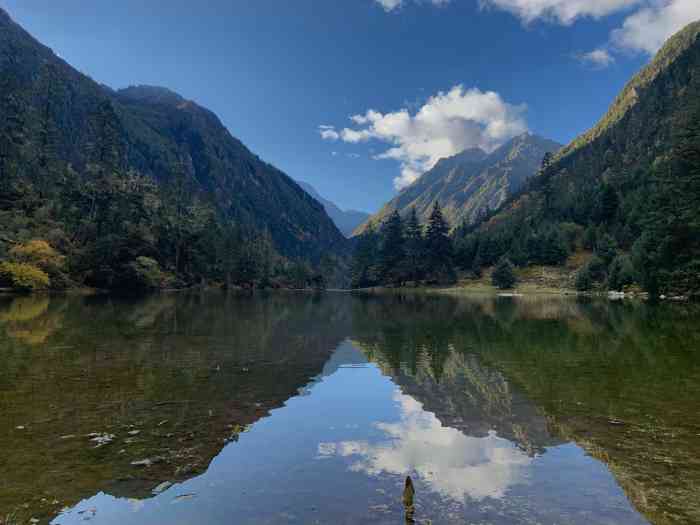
(188,371)
(29,320)
(620,379)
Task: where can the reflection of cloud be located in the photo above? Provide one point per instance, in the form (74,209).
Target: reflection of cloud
(453,464)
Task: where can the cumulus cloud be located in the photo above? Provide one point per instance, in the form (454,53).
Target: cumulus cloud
(599,58)
(445,125)
(454,465)
(648,28)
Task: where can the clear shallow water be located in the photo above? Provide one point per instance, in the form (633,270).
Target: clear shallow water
(303,409)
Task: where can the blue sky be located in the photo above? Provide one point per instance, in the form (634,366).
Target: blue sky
(438,75)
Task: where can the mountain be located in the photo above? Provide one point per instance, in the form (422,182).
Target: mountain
(345,220)
(628,189)
(471,182)
(58,122)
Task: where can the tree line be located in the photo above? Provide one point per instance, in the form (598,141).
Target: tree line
(405,251)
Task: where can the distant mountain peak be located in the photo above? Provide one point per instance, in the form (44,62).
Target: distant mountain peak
(472,181)
(345,220)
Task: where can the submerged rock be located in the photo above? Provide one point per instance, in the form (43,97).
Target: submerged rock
(162,487)
(101,439)
(146,462)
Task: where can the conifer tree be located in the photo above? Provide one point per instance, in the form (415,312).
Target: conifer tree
(392,252)
(415,251)
(364,264)
(503,276)
(440,266)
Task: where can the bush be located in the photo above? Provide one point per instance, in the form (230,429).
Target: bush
(584,282)
(23,276)
(38,253)
(145,274)
(594,271)
(503,276)
(621,273)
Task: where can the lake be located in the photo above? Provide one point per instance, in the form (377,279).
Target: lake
(300,408)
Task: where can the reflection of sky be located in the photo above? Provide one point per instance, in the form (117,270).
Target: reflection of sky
(452,464)
(273,473)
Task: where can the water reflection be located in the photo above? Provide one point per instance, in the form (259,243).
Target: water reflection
(295,408)
(451,463)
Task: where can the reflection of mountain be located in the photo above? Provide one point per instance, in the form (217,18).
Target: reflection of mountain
(453,464)
(188,371)
(172,378)
(620,380)
(477,400)
(345,355)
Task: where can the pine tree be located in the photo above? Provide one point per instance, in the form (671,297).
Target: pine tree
(440,266)
(392,253)
(364,264)
(609,202)
(503,276)
(415,251)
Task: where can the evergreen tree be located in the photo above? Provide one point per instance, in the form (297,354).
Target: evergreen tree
(438,245)
(606,248)
(621,273)
(609,203)
(503,276)
(415,251)
(364,264)
(393,252)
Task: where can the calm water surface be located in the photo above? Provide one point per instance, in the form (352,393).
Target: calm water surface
(293,408)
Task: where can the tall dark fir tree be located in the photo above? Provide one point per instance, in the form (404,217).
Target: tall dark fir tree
(415,247)
(438,246)
(392,269)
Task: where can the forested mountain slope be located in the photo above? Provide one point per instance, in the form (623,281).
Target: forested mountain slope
(471,182)
(72,150)
(629,189)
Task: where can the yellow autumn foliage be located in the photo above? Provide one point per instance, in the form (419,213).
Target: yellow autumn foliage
(38,253)
(23,276)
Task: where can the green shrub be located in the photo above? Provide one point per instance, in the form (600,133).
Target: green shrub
(23,276)
(503,276)
(621,273)
(594,271)
(145,274)
(584,282)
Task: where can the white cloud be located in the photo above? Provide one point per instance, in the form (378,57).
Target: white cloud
(561,11)
(391,5)
(599,58)
(445,125)
(454,465)
(328,132)
(648,29)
